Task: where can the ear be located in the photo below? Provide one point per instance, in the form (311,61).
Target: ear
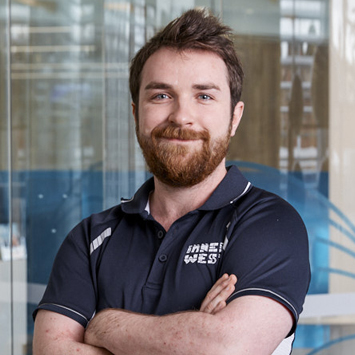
(134,111)
(237,116)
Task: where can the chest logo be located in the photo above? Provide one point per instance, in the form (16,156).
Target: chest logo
(204,253)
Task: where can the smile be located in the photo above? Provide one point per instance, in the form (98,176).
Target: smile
(179,140)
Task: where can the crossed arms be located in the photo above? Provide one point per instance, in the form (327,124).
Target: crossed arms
(247,325)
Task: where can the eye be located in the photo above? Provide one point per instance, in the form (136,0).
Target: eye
(161,96)
(205,97)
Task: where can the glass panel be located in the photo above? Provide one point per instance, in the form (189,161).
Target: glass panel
(283,146)
(57,110)
(6,330)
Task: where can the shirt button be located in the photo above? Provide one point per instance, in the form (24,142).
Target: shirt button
(163,258)
(160,234)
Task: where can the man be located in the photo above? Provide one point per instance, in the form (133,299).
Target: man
(157,274)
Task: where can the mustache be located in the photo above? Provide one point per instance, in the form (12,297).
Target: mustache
(174,132)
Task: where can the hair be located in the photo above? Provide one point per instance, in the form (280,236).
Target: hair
(194,30)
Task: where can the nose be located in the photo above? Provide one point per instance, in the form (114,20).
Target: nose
(182,113)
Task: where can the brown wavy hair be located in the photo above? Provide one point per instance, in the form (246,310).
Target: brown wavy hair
(195,30)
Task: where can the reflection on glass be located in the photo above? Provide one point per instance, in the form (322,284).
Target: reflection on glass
(6,334)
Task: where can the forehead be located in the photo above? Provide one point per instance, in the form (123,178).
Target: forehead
(184,67)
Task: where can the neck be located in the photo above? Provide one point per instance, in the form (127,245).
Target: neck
(168,203)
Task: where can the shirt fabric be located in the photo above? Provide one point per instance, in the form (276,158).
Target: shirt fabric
(123,258)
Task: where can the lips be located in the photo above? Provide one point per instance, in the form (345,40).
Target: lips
(173,132)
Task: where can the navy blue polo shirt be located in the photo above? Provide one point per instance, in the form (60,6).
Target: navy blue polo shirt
(122,258)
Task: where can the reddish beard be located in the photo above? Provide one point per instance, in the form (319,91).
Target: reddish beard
(177,164)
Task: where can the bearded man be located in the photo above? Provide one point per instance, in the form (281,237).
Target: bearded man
(199,261)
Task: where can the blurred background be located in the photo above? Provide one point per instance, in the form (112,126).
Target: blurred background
(68,147)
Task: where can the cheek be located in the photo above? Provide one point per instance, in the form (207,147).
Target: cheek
(144,130)
(151,117)
(219,122)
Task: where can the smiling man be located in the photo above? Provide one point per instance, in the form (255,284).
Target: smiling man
(199,261)
(184,123)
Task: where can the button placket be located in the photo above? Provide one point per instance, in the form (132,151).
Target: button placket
(162,257)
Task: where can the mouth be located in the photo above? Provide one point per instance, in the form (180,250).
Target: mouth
(178,135)
(179,140)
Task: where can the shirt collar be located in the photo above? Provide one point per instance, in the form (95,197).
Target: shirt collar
(232,187)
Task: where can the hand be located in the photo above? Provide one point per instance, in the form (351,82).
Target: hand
(217,296)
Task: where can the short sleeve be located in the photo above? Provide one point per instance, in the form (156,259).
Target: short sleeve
(70,290)
(268,252)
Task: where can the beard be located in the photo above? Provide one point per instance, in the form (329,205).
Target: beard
(179,165)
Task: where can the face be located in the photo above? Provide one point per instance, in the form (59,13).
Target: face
(184,122)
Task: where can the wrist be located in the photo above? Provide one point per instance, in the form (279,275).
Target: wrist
(96,330)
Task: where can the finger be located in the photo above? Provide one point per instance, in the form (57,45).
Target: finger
(225,293)
(221,283)
(219,307)
(233,279)
(214,291)
(218,293)
(212,305)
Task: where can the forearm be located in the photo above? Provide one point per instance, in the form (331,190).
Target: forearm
(130,333)
(183,333)
(56,334)
(65,347)
(248,325)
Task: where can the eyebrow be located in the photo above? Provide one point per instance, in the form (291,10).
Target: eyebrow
(163,86)
(207,86)
(157,85)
